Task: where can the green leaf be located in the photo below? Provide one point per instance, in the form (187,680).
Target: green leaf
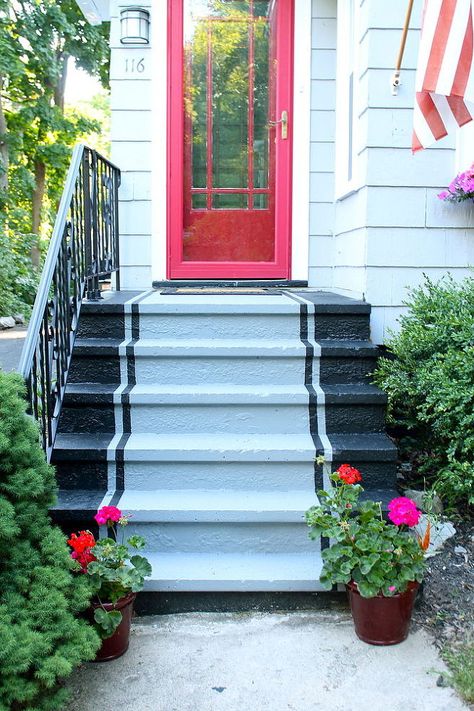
(142,566)
(137,542)
(108,621)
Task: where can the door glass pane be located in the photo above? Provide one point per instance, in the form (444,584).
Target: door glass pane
(230,101)
(232,201)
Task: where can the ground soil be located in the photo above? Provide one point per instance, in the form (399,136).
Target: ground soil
(446,606)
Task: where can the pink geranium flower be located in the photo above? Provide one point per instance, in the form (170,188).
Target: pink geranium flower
(402,510)
(108,515)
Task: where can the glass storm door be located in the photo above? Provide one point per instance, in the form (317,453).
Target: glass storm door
(229,138)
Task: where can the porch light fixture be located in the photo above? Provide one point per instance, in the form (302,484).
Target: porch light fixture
(135,26)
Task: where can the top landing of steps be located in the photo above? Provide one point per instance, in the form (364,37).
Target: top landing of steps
(210,298)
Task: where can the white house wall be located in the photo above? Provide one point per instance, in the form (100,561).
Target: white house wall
(132,78)
(406,230)
(323,126)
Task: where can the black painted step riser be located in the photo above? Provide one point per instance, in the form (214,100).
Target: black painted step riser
(109,325)
(87,418)
(355,418)
(95,368)
(85,474)
(343,370)
(342,326)
(375,475)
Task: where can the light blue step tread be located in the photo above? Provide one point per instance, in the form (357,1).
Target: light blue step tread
(214,505)
(218,447)
(218,304)
(234,572)
(214,347)
(175,394)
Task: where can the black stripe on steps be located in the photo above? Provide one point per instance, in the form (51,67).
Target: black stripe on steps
(313,402)
(313,398)
(120,464)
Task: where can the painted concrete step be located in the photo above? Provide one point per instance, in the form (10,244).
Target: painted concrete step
(224,537)
(261,316)
(232,360)
(221,407)
(220,520)
(262,409)
(207,447)
(216,505)
(234,572)
(153,461)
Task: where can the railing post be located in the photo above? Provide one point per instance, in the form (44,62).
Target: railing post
(87,220)
(95,263)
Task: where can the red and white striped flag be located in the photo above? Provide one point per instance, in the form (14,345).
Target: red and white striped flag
(445,73)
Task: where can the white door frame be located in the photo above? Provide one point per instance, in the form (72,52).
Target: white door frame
(301,140)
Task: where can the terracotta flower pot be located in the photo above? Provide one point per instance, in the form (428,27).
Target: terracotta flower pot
(116,645)
(382,620)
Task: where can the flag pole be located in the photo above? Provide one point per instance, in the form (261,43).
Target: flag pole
(398,64)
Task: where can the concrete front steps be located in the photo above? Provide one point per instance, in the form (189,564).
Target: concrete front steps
(201,416)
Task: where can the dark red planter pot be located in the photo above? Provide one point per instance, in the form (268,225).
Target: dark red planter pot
(116,645)
(382,620)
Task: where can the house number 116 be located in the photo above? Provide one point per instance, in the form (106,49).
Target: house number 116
(133,65)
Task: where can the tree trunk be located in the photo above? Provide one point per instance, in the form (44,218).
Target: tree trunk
(37,203)
(60,87)
(4,153)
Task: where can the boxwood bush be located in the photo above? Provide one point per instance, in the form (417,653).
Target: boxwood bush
(428,375)
(42,637)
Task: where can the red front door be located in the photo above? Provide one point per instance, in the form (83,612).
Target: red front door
(229,138)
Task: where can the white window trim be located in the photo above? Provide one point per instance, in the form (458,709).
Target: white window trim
(347,111)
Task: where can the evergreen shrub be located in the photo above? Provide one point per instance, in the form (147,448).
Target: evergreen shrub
(42,637)
(429,379)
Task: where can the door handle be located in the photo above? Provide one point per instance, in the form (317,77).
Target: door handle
(284,124)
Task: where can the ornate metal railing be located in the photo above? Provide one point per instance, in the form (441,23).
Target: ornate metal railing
(83,252)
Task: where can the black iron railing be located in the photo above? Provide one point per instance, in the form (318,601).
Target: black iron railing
(83,252)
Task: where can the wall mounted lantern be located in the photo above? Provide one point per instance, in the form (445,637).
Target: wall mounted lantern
(135,26)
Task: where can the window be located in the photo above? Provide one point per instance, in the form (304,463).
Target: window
(346,98)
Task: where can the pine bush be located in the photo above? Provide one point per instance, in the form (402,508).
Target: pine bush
(42,637)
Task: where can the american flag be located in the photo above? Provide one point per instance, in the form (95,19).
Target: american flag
(445,72)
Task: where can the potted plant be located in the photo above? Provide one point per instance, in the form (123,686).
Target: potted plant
(381,562)
(116,573)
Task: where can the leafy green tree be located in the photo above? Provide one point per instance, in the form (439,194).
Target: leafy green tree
(38,40)
(42,637)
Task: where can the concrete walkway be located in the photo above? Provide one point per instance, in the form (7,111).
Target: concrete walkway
(11,344)
(310,661)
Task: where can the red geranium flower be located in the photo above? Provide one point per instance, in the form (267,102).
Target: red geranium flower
(85,540)
(81,545)
(348,474)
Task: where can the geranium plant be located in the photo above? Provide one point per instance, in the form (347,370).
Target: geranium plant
(460,188)
(381,556)
(114,568)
